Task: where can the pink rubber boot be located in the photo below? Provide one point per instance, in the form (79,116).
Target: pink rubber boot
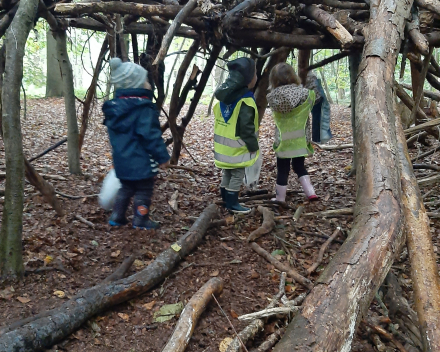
(308,188)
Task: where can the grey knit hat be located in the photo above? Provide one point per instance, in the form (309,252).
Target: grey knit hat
(127,74)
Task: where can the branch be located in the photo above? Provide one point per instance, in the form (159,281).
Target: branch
(322,251)
(56,145)
(329,60)
(266,227)
(167,39)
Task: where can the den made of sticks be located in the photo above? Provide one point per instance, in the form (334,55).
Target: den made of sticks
(356,270)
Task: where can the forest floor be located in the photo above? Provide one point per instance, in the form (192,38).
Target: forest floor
(88,255)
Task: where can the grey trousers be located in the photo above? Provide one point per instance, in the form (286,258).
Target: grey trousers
(232,179)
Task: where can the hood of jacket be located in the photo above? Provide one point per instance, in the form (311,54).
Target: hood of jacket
(286,98)
(118,111)
(232,89)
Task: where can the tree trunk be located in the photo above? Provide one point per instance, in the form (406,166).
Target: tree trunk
(61,322)
(172,68)
(303,64)
(69,101)
(11,260)
(343,293)
(263,82)
(54,81)
(354,61)
(424,271)
(324,82)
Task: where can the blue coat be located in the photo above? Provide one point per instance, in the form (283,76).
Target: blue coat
(133,126)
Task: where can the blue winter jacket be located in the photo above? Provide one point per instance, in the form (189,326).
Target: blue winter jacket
(133,126)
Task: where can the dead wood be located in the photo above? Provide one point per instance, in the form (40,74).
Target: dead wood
(280,266)
(417,137)
(334,147)
(426,167)
(423,126)
(233,17)
(44,187)
(424,271)
(381,331)
(413,30)
(270,341)
(332,25)
(266,227)
(191,314)
(317,235)
(120,272)
(62,321)
(359,267)
(56,145)
(168,37)
(329,60)
(332,213)
(84,221)
(423,155)
(432,95)
(322,251)
(428,180)
(269,312)
(256,325)
(431,5)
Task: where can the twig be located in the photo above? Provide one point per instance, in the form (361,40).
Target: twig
(316,235)
(88,223)
(280,266)
(24,101)
(426,167)
(232,326)
(428,153)
(334,147)
(75,197)
(122,270)
(322,251)
(332,213)
(266,227)
(268,313)
(270,341)
(387,335)
(56,145)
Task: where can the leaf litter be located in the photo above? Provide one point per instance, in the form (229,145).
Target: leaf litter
(90,255)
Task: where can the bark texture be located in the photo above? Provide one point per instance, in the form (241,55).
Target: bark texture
(51,328)
(54,81)
(424,271)
(335,306)
(69,101)
(11,260)
(191,314)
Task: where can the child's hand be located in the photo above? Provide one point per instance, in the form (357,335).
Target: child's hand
(164,165)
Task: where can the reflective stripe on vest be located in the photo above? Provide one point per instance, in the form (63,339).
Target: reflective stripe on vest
(230,151)
(292,135)
(233,159)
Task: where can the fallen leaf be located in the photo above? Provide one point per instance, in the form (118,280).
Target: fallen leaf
(138,263)
(59,294)
(229,220)
(168,312)
(214,273)
(225,344)
(233,314)
(123,316)
(254,275)
(226,247)
(48,259)
(7,293)
(327,197)
(115,254)
(23,300)
(149,305)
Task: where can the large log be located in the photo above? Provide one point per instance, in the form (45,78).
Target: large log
(191,314)
(62,321)
(424,271)
(343,293)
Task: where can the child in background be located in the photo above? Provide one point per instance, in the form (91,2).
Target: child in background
(133,126)
(236,129)
(291,105)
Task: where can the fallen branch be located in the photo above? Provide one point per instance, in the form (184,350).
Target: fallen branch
(266,227)
(423,126)
(258,324)
(84,221)
(268,313)
(270,341)
(280,266)
(428,180)
(329,60)
(298,213)
(120,272)
(322,251)
(62,321)
(381,331)
(168,37)
(428,153)
(334,147)
(426,167)
(191,314)
(56,145)
(332,213)
(76,197)
(46,176)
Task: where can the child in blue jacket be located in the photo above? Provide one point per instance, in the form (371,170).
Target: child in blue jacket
(133,126)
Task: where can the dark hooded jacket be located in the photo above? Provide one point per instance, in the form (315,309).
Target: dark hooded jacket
(133,126)
(231,91)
